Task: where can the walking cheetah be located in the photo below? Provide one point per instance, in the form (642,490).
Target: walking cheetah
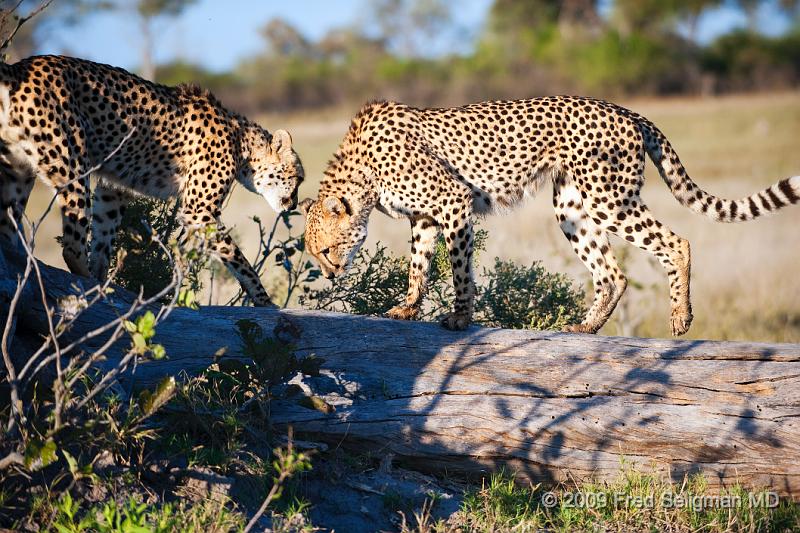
(60,117)
(438,167)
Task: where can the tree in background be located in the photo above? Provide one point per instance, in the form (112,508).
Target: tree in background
(525,48)
(151,11)
(39,18)
(283,39)
(406,26)
(580,14)
(791,8)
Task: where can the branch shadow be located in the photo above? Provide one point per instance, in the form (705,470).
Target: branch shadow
(555,406)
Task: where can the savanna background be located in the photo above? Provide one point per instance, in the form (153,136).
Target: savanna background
(719,78)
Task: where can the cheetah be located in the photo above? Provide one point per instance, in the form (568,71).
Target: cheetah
(62,117)
(440,167)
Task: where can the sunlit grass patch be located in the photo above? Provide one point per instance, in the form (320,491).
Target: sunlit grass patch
(635,501)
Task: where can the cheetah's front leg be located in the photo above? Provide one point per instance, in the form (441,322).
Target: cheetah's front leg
(222,246)
(75,203)
(202,205)
(424,232)
(107,210)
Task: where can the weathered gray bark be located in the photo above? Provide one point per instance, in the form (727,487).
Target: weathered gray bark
(552,406)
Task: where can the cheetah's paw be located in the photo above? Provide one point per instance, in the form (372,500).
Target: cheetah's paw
(455,321)
(679,324)
(579,328)
(403,312)
(264,301)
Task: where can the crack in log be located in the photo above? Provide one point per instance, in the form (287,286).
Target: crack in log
(770,379)
(750,417)
(485,394)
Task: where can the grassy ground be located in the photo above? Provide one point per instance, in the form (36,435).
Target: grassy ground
(633,502)
(744,282)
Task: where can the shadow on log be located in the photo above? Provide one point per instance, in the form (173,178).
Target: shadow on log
(551,406)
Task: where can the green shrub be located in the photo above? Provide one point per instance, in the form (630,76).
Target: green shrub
(135,517)
(145,265)
(520,297)
(375,283)
(508,295)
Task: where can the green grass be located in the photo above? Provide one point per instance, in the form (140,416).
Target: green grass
(633,502)
(133,516)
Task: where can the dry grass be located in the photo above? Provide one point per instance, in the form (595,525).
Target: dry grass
(745,283)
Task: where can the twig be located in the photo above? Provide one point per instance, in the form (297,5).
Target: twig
(23,20)
(12,374)
(276,486)
(29,246)
(265,249)
(86,174)
(77,365)
(11,459)
(58,386)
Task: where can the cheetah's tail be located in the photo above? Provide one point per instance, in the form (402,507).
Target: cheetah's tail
(688,193)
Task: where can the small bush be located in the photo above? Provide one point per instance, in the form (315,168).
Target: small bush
(508,295)
(145,265)
(520,297)
(133,516)
(375,283)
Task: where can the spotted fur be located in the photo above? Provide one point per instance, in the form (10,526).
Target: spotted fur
(439,167)
(61,117)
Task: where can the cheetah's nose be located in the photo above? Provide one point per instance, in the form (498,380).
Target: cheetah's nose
(289,203)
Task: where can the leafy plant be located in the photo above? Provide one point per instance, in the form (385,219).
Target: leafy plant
(508,295)
(134,516)
(146,266)
(211,416)
(520,297)
(288,255)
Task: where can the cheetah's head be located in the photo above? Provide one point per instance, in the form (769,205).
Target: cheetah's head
(273,169)
(334,233)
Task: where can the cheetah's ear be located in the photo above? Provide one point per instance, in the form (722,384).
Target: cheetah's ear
(281,141)
(305,205)
(334,206)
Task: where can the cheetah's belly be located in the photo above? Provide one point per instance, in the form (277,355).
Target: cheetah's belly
(139,181)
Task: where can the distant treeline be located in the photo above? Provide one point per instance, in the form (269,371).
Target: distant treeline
(399,49)
(525,48)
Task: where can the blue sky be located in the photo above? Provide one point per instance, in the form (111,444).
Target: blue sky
(219,33)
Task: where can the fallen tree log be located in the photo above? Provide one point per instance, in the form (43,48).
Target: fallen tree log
(551,406)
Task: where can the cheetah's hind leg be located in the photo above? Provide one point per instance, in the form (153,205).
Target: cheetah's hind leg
(639,227)
(590,243)
(674,254)
(14,193)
